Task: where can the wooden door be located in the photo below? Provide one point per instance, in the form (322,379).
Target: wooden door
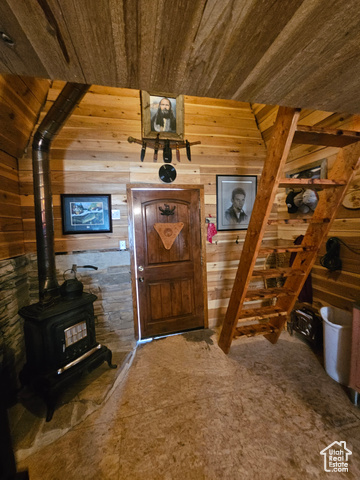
(167,282)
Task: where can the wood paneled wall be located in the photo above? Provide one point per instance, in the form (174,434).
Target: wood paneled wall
(21,99)
(333,288)
(92,155)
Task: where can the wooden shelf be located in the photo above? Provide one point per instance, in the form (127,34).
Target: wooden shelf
(325,136)
(297,221)
(277,272)
(320,183)
(261,313)
(282,249)
(265,293)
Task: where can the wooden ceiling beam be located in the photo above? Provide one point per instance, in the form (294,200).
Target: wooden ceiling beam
(325,136)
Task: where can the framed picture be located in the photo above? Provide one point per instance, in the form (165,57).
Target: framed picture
(86,213)
(162,115)
(235,197)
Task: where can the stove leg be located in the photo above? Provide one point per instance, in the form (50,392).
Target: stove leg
(50,406)
(108,358)
(49,413)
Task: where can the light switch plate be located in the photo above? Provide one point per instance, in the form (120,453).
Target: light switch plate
(115,214)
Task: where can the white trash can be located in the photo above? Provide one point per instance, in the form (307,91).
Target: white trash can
(337,325)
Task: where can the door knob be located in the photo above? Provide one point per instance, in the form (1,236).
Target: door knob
(141,279)
(140,268)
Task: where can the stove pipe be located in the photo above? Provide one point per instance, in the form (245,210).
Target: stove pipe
(52,123)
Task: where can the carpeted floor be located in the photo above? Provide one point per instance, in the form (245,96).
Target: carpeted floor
(184,410)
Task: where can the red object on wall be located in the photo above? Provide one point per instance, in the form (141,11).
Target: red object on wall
(211,231)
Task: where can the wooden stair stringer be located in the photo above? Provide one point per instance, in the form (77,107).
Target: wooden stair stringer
(277,153)
(345,166)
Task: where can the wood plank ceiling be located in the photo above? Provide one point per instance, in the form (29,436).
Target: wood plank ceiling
(301,53)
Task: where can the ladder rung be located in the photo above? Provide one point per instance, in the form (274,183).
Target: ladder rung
(325,136)
(281,249)
(256,329)
(295,221)
(311,182)
(261,313)
(277,272)
(263,293)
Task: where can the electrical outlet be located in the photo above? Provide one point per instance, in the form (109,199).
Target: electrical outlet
(122,245)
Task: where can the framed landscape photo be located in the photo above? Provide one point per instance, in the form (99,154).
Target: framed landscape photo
(162,115)
(235,197)
(86,213)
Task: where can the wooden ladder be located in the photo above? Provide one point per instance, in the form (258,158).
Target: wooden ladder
(270,320)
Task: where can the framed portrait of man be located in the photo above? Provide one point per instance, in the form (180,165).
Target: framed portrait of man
(163,115)
(235,197)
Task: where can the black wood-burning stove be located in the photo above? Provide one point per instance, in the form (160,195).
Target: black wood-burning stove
(60,329)
(60,345)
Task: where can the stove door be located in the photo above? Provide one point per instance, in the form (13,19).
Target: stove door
(73,336)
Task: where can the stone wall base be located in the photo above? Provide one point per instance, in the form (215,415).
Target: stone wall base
(111,283)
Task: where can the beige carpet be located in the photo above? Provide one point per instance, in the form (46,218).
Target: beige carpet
(31,432)
(187,411)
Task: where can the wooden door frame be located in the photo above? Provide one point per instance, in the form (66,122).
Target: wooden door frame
(155,187)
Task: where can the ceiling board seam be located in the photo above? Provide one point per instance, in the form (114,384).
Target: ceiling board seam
(70,37)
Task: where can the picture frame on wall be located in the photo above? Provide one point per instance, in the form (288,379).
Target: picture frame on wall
(163,115)
(86,213)
(235,197)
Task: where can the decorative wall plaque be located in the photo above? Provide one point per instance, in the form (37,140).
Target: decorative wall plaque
(168,232)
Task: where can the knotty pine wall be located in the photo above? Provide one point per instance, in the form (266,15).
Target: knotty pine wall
(92,155)
(20,102)
(330,288)
(21,99)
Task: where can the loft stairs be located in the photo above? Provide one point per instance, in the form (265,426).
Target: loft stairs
(269,320)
